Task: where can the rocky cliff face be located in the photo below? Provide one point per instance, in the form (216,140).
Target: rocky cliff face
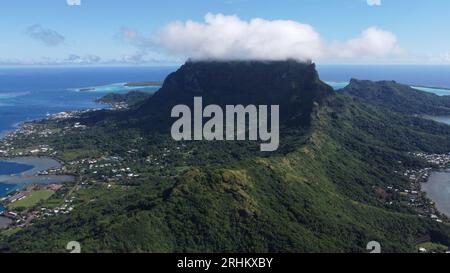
(294,86)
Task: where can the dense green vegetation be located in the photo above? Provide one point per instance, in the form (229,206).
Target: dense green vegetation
(130,98)
(315,194)
(399,98)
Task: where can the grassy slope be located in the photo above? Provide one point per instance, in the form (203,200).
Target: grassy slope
(313,199)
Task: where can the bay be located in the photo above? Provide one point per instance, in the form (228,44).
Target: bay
(438,189)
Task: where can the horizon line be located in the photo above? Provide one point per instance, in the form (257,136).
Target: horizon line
(178,65)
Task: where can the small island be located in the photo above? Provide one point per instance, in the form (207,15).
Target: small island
(131,98)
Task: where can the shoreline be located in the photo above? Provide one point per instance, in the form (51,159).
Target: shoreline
(13,128)
(48,173)
(430,87)
(435,189)
(127,87)
(33,176)
(36,177)
(415,195)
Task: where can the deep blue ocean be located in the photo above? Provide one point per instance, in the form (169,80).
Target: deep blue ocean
(32,93)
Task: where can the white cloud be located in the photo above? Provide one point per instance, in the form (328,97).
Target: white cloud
(443,58)
(374,2)
(73,2)
(86,59)
(372,42)
(224,37)
(72,59)
(228,37)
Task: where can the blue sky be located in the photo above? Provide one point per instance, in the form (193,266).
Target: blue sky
(135,32)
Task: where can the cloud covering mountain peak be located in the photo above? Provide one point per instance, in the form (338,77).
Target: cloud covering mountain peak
(227,37)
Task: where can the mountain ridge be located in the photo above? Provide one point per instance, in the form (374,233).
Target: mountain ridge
(285,83)
(398,97)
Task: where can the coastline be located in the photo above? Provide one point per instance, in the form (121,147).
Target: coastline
(40,164)
(13,128)
(38,176)
(431,87)
(121,87)
(48,174)
(437,185)
(437,189)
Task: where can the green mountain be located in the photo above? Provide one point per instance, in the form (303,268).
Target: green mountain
(131,98)
(320,192)
(294,85)
(398,97)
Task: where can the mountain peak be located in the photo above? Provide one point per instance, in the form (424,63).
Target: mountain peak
(293,85)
